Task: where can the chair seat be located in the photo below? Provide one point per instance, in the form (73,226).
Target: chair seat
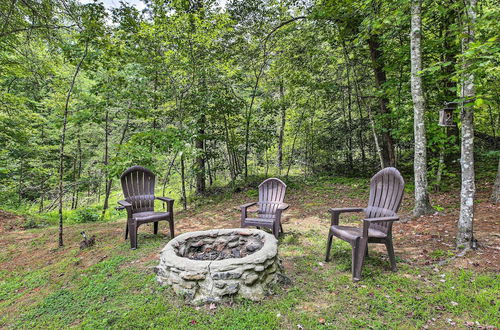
(352,233)
(264,222)
(266,215)
(150,216)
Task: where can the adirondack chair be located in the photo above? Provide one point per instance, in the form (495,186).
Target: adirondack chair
(138,185)
(386,193)
(271,205)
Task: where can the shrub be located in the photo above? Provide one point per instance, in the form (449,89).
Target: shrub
(88,214)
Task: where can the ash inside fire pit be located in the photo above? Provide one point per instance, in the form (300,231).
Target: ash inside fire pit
(222,247)
(212,265)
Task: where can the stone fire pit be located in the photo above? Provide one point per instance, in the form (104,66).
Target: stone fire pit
(212,265)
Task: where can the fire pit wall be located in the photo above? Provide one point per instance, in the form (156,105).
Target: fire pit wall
(210,266)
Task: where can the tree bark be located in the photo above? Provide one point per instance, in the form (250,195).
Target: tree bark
(422,204)
(387,149)
(183,182)
(106,161)
(468,189)
(495,194)
(200,157)
(249,114)
(282,127)
(63,141)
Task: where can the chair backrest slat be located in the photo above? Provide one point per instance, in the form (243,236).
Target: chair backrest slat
(386,194)
(271,195)
(138,187)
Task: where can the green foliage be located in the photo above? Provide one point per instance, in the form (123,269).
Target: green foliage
(87,214)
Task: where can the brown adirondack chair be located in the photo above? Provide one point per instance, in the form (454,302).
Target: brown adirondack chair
(271,205)
(138,184)
(386,193)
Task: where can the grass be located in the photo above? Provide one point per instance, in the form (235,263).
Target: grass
(111,286)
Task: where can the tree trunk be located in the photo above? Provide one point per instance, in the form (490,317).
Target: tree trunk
(282,128)
(422,204)
(107,180)
(200,157)
(387,149)
(249,114)
(63,141)
(495,195)
(79,174)
(74,182)
(468,189)
(183,182)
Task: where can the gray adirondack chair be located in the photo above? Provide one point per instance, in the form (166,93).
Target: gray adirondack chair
(271,205)
(138,185)
(386,193)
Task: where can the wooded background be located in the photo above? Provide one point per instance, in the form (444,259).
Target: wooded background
(206,95)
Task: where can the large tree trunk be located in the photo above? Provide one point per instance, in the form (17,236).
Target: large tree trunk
(388,154)
(468,189)
(422,204)
(495,195)
(62,144)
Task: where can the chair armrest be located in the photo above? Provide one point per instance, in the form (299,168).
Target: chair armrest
(247,205)
(169,201)
(336,213)
(283,206)
(164,199)
(345,210)
(367,223)
(123,205)
(381,219)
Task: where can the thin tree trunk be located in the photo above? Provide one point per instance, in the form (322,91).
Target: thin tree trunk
(74,183)
(63,141)
(360,134)
(79,174)
(282,127)
(249,115)
(422,204)
(183,179)
(468,189)
(107,180)
(200,157)
(209,169)
(232,165)
(21,179)
(387,149)
(495,194)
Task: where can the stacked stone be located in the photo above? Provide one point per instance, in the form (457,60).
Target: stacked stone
(221,247)
(213,280)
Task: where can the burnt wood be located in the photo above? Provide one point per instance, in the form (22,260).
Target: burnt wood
(271,206)
(386,194)
(138,185)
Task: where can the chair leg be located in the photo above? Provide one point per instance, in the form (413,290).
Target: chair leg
(132,228)
(171,225)
(276,230)
(281,228)
(126,231)
(390,251)
(155,227)
(366,251)
(328,246)
(358,258)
